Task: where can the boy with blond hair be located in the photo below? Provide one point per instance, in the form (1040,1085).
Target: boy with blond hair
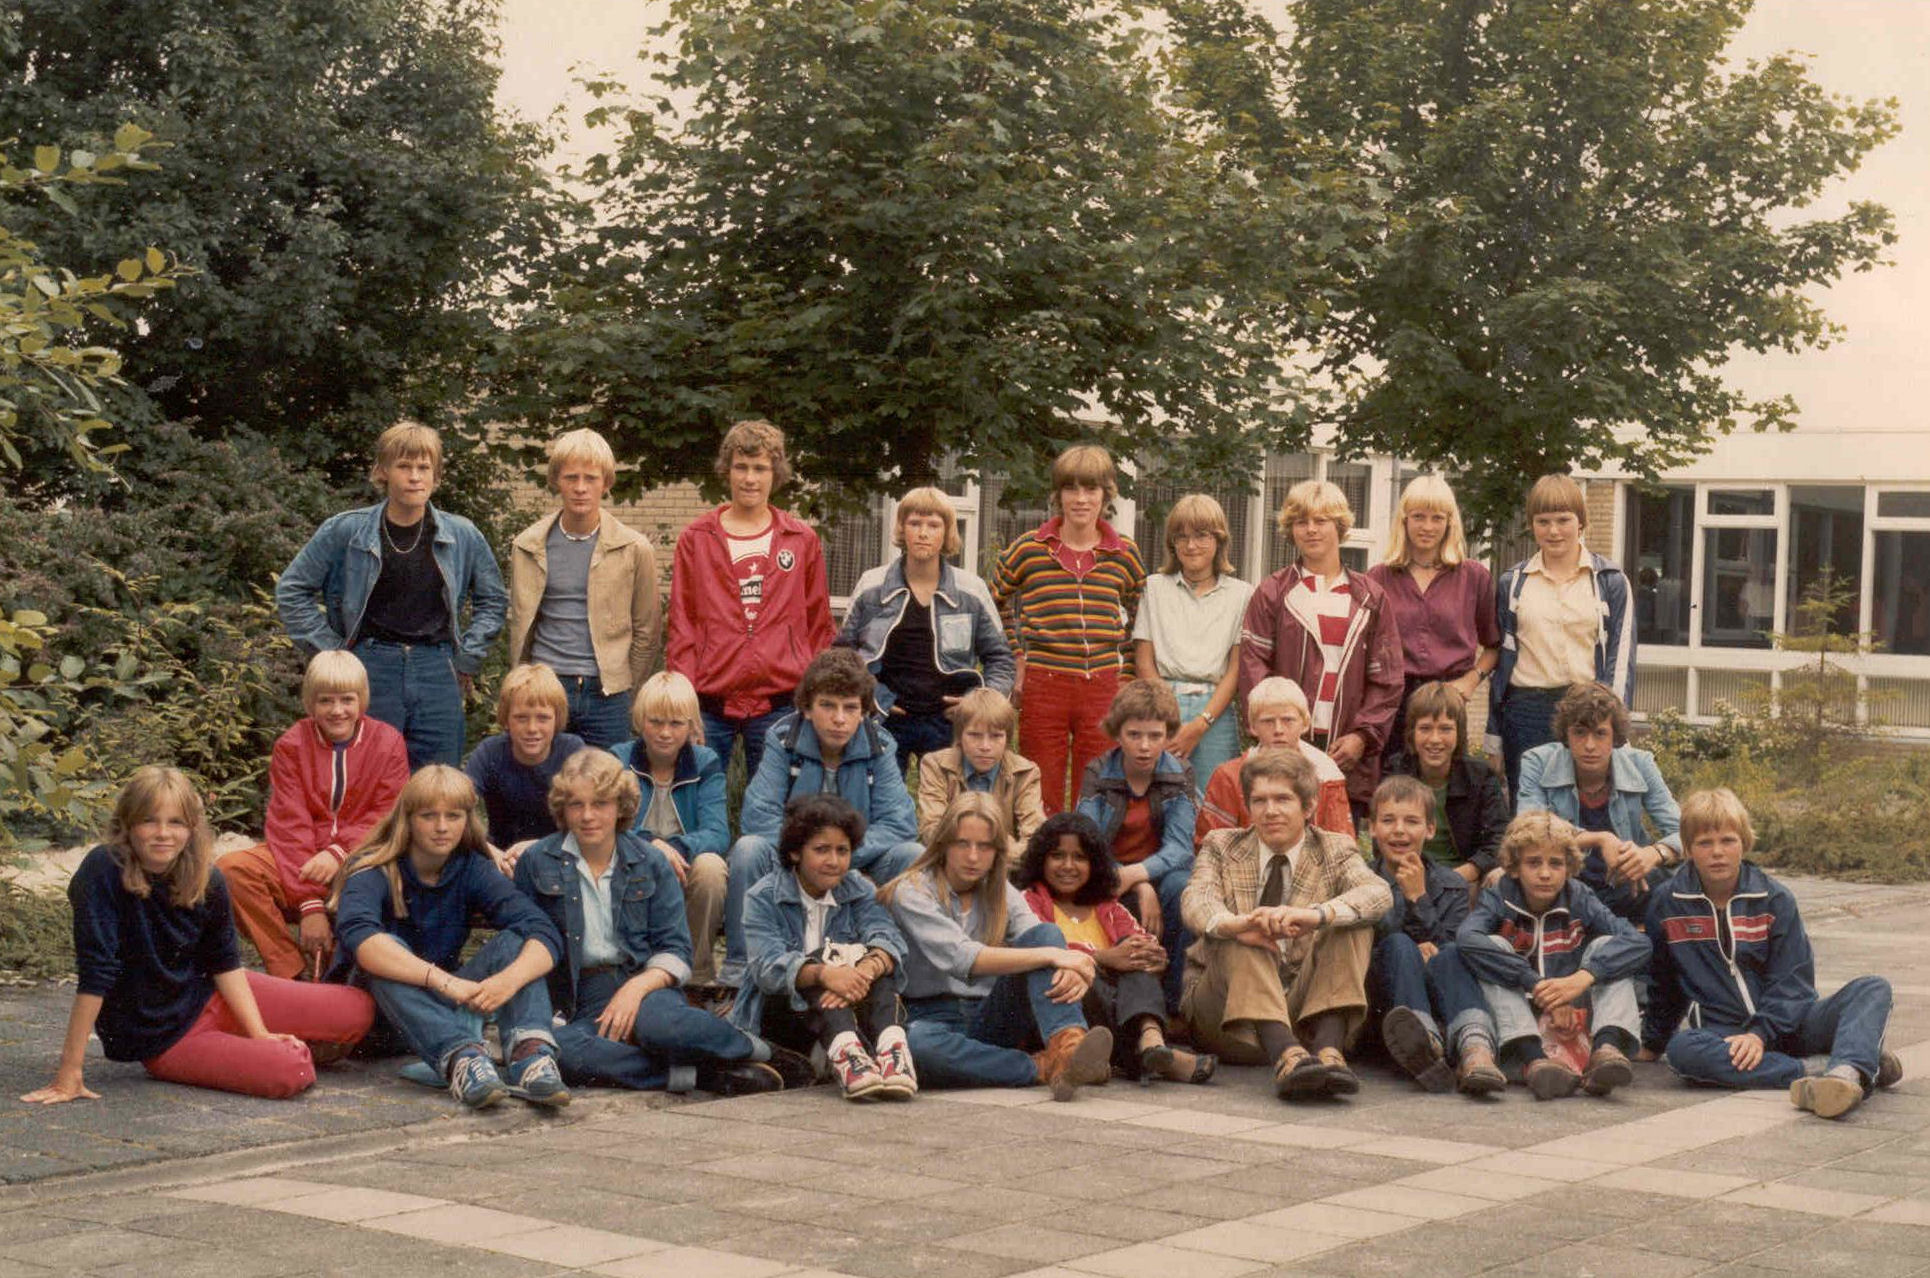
(583,592)
(513,769)
(389,583)
(331,778)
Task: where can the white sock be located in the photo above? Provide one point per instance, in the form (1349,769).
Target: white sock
(1845,1072)
(841,1041)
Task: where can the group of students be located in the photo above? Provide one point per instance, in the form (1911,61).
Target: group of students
(1196,904)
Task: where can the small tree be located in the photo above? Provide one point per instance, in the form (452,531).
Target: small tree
(1816,707)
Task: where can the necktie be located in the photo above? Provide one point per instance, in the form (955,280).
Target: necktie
(1273,892)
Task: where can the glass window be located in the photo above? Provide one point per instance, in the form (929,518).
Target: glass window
(1659,554)
(1738,587)
(1354,557)
(852,544)
(1902,592)
(1282,473)
(1742,501)
(1826,532)
(1903,505)
(1356,480)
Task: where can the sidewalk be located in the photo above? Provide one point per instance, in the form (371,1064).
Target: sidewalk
(1166,1180)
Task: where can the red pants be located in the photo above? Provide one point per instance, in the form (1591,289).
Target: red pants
(261,908)
(214,1053)
(1059,728)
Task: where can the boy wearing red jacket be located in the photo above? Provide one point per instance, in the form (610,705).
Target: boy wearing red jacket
(750,603)
(333,776)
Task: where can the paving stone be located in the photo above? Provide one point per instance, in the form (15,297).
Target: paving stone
(1820,1202)
(1675,1184)
(1151,1260)
(353,1204)
(1713,1231)
(457,1223)
(1335,1220)
(74,1252)
(1602,1262)
(1817,1255)
(1033,1242)
(1420,1149)
(1405,1200)
(1250,1240)
(572,1245)
(1499,1187)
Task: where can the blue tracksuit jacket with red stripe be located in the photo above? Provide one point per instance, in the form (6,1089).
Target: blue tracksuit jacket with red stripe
(1745,968)
(1550,943)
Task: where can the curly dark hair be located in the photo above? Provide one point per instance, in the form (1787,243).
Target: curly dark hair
(1587,706)
(805,816)
(1101,885)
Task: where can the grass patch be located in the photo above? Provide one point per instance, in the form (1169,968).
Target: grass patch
(36,933)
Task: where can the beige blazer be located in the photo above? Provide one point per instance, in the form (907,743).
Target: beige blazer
(626,615)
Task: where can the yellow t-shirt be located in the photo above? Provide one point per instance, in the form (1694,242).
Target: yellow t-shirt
(1089,932)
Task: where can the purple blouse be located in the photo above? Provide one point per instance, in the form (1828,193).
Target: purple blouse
(1443,630)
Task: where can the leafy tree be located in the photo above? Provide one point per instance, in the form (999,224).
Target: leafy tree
(907,229)
(1590,209)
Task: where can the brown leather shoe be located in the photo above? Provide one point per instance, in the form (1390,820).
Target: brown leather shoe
(1341,1081)
(1478,1075)
(1299,1075)
(1550,1080)
(1608,1069)
(1075,1058)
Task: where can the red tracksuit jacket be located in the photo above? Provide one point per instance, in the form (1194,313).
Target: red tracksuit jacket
(302,817)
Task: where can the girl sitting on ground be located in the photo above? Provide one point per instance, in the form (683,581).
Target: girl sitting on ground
(1069,878)
(824,956)
(161,979)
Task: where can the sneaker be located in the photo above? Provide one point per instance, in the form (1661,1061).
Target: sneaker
(1416,1049)
(1827,1095)
(1889,1069)
(473,1080)
(1075,1058)
(1478,1075)
(1608,1069)
(738,1078)
(1550,1080)
(894,1066)
(856,1072)
(536,1079)
(1341,1081)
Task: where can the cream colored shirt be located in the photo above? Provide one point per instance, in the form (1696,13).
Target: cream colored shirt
(1555,628)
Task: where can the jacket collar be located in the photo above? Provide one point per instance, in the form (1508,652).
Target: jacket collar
(1752,882)
(790,892)
(1512,897)
(1623,775)
(783,523)
(1112,770)
(322,737)
(859,747)
(1459,777)
(613,533)
(370,534)
(559,849)
(1108,536)
(895,584)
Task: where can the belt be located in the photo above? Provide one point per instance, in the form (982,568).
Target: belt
(1185,688)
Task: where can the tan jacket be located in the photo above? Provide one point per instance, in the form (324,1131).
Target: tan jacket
(941,778)
(1226,882)
(626,616)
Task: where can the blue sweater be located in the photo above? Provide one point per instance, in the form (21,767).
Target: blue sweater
(1761,982)
(516,795)
(152,963)
(1551,943)
(437,925)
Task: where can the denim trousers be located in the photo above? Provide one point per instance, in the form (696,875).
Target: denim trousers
(721,733)
(917,734)
(1848,1025)
(754,856)
(1217,744)
(601,719)
(436,1028)
(1440,990)
(987,1042)
(785,1026)
(1612,1005)
(668,1032)
(1173,936)
(413,689)
(1527,720)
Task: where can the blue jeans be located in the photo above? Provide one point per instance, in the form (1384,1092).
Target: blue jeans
(983,1042)
(917,734)
(436,1029)
(1440,990)
(1527,720)
(1217,744)
(754,856)
(721,734)
(601,719)
(413,689)
(1173,936)
(1849,1025)
(668,1032)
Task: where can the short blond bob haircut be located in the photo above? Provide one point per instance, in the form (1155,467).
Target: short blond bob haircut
(755,438)
(1427,494)
(1282,763)
(984,708)
(667,695)
(593,775)
(334,670)
(582,448)
(1084,466)
(927,501)
(1555,495)
(1715,811)
(148,792)
(1142,699)
(1198,513)
(404,441)
(532,682)
(1539,829)
(1316,499)
(1276,690)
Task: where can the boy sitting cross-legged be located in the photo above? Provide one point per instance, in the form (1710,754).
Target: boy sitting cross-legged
(1543,945)
(1730,944)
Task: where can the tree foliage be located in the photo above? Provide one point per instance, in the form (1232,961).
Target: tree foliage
(1590,209)
(907,229)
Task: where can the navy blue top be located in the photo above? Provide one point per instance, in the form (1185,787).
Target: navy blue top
(438,922)
(515,795)
(1597,820)
(152,962)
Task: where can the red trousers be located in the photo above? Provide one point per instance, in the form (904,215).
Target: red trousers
(215,1053)
(261,908)
(1059,728)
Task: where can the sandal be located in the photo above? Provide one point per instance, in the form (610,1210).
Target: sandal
(1297,1075)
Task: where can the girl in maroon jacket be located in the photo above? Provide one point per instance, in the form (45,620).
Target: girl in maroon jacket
(1070,880)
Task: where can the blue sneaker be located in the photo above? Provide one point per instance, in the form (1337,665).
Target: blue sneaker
(473,1080)
(536,1079)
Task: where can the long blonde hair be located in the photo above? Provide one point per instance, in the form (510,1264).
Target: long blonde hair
(143,795)
(1427,492)
(989,896)
(388,842)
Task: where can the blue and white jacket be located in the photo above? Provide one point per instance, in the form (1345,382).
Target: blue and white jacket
(1551,943)
(967,635)
(1614,635)
(1761,982)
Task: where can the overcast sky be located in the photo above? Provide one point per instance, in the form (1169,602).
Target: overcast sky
(1874,378)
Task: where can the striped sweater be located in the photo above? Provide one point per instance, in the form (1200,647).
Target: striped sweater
(1063,621)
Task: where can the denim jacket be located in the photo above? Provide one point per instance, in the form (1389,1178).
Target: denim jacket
(321,595)
(965,626)
(650,929)
(774,938)
(696,791)
(1103,796)
(1637,787)
(868,779)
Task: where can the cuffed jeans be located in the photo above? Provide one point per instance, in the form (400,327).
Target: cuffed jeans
(984,1042)
(601,718)
(754,856)
(1849,1025)
(721,733)
(1440,990)
(1217,744)
(668,1032)
(1612,1006)
(436,1028)
(413,689)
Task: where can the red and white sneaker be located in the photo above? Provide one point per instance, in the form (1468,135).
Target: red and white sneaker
(894,1065)
(857,1073)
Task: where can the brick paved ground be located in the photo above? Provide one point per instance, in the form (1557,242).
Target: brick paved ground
(1165,1180)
